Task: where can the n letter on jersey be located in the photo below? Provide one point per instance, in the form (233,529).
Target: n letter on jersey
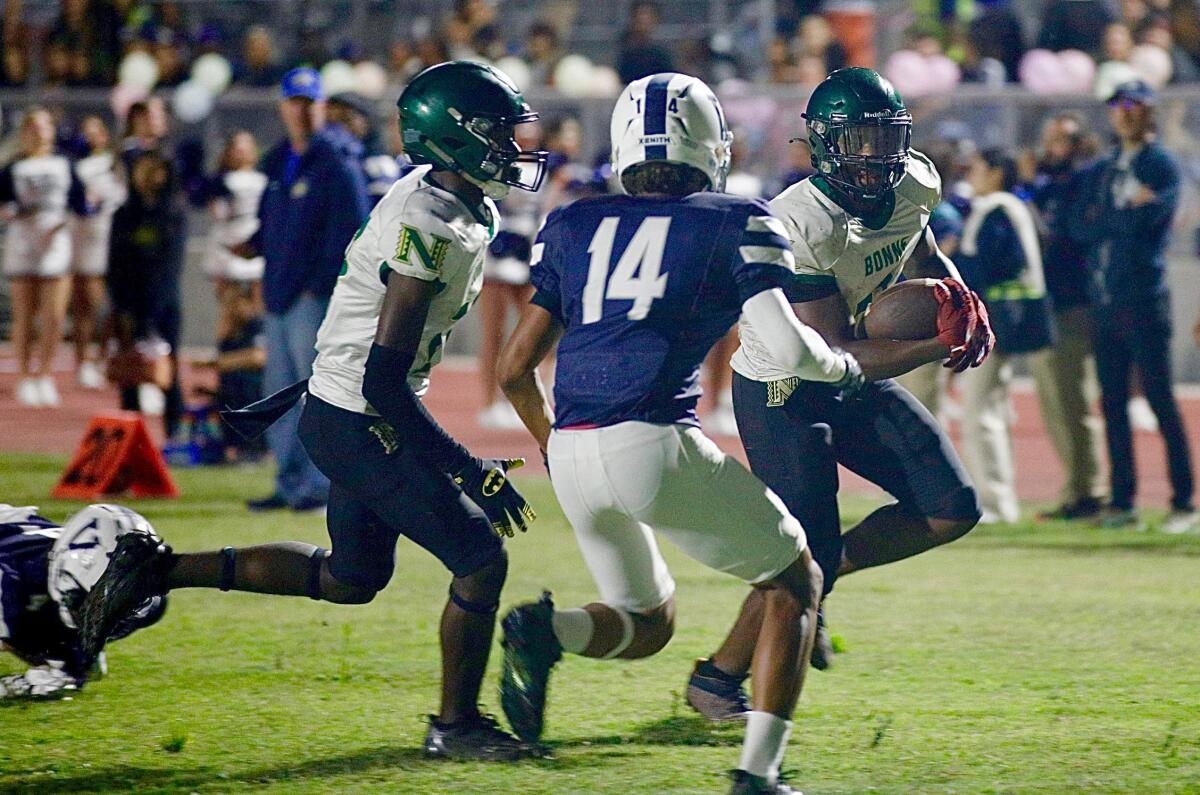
(430,257)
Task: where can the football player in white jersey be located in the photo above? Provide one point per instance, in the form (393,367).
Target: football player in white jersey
(38,190)
(412,271)
(852,228)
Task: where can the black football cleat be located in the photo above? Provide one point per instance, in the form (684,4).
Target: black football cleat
(718,698)
(822,653)
(135,574)
(530,651)
(479,739)
(746,784)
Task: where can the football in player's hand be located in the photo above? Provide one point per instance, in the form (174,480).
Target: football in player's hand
(906,311)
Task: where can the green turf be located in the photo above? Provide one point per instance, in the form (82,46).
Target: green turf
(1036,659)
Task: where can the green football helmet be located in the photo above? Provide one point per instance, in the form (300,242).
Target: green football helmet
(859,132)
(459,116)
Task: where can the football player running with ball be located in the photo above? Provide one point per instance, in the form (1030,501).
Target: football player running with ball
(410,273)
(638,288)
(852,228)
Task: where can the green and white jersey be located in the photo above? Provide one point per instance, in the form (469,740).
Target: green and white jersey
(834,250)
(416,230)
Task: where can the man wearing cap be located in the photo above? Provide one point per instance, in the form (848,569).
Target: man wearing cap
(313,203)
(1128,199)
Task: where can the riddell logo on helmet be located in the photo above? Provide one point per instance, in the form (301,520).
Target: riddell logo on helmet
(874,114)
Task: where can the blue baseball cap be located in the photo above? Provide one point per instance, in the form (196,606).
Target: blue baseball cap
(302,81)
(1134,91)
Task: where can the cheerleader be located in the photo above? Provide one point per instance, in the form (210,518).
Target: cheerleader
(39,189)
(104,188)
(234,195)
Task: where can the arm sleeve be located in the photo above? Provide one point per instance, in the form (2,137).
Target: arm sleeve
(385,386)
(763,260)
(543,273)
(791,345)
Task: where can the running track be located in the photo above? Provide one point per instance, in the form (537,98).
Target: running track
(455,398)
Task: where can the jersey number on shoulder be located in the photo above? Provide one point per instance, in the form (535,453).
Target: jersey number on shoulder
(636,277)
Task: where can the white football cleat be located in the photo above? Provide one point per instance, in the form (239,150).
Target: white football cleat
(28,393)
(48,392)
(1141,416)
(1180,522)
(89,376)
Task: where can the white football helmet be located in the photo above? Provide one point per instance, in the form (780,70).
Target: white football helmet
(674,118)
(80,554)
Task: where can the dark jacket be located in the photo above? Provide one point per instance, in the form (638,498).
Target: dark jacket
(306,221)
(1064,261)
(146,254)
(1126,245)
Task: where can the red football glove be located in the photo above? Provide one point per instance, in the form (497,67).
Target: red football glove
(980,343)
(957,316)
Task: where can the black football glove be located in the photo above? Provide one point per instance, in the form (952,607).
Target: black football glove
(485,481)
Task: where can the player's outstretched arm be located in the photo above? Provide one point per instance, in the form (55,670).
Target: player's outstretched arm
(878,359)
(385,386)
(535,335)
(791,344)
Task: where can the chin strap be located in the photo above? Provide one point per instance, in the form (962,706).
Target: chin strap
(492,189)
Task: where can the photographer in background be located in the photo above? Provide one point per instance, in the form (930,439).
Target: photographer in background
(1126,203)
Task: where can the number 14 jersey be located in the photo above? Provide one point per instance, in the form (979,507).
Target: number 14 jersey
(643,287)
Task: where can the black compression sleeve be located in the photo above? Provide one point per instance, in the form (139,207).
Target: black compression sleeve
(385,386)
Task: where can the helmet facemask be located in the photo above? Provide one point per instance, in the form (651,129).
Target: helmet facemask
(866,158)
(502,163)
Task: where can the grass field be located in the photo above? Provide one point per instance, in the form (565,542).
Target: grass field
(1033,659)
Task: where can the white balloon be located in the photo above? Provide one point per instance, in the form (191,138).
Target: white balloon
(192,102)
(606,83)
(213,72)
(573,76)
(336,77)
(370,79)
(1110,75)
(138,69)
(517,70)
(1152,63)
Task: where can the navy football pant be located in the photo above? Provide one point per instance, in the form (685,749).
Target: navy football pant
(885,435)
(379,493)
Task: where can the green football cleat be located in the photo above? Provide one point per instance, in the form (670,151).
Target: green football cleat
(479,739)
(530,651)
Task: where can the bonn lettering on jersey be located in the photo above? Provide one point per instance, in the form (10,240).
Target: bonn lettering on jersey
(885,257)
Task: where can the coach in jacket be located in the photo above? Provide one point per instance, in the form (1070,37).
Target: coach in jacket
(1127,200)
(312,205)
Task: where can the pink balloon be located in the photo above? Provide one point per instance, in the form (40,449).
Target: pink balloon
(123,97)
(1042,73)
(1079,69)
(944,73)
(909,73)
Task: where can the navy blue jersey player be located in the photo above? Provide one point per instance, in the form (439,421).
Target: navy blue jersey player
(635,289)
(45,569)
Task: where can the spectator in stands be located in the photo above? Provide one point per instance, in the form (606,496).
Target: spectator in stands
(99,171)
(1118,42)
(354,114)
(169,54)
(234,194)
(78,32)
(815,39)
(1075,25)
(310,209)
(258,67)
(1126,202)
(1066,375)
(146,256)
(542,51)
(996,33)
(38,190)
(999,256)
(1156,31)
(14,40)
(146,126)
(639,54)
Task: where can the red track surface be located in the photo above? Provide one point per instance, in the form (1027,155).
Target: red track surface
(455,398)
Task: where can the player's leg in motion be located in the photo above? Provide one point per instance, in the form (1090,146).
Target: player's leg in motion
(886,436)
(378,493)
(614,485)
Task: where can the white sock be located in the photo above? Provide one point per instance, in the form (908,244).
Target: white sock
(766,740)
(574,629)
